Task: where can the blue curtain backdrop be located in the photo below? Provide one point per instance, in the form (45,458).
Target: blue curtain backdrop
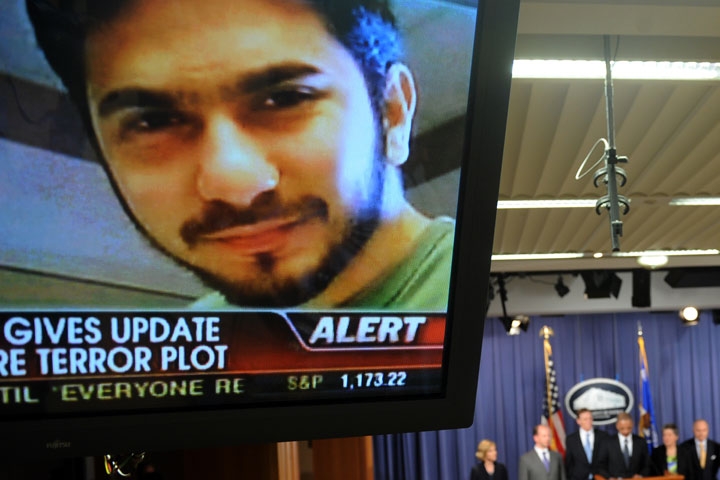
(684,368)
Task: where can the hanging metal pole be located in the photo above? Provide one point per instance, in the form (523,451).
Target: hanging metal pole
(611,159)
(610,172)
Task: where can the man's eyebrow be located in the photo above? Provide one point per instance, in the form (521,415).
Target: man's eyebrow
(253,81)
(273,75)
(117,100)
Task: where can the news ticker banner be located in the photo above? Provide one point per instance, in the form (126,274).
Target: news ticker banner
(86,362)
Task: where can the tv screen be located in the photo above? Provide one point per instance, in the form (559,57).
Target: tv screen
(251,220)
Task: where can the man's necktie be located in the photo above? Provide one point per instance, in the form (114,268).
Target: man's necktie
(546,461)
(588,448)
(626,453)
(703,455)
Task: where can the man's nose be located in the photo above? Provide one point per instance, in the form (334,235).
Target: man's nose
(233,167)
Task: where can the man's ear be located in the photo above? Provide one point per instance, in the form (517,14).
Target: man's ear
(400,101)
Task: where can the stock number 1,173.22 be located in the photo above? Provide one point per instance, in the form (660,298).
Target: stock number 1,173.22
(373,379)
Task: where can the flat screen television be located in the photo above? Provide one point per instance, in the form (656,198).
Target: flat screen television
(248,220)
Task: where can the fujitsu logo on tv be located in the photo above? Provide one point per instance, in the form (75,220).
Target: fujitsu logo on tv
(57,444)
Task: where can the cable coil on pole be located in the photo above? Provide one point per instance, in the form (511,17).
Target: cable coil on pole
(610,174)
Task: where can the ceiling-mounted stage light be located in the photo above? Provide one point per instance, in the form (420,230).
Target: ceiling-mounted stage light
(693,277)
(601,284)
(513,326)
(641,288)
(689,315)
(560,287)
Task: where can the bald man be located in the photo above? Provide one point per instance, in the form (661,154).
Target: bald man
(705,453)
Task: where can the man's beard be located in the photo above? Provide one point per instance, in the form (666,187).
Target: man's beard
(267,290)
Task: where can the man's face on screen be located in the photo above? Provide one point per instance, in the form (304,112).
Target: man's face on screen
(242,138)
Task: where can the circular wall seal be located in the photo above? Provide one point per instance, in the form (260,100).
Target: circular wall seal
(604,397)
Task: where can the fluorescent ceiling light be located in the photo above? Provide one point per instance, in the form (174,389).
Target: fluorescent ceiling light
(595,69)
(652,261)
(591,203)
(695,201)
(538,256)
(668,253)
(576,203)
(566,256)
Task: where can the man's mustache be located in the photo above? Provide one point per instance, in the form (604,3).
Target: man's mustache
(218,215)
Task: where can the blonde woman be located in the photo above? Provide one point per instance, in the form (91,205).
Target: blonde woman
(488,467)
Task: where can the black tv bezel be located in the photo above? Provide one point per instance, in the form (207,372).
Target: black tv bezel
(496,28)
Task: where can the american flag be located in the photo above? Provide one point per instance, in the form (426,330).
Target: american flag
(554,417)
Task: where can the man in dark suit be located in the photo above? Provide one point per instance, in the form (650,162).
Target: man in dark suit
(627,454)
(585,449)
(705,453)
(540,463)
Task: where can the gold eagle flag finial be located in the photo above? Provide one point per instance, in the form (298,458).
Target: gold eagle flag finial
(546,332)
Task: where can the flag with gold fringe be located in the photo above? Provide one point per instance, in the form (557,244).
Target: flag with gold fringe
(648,427)
(552,414)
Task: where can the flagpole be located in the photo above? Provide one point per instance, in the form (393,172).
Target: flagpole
(554,418)
(546,332)
(641,346)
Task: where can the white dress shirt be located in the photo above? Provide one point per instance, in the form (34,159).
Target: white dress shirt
(584,438)
(541,452)
(629,443)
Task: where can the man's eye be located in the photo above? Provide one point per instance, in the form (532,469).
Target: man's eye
(288,98)
(152,121)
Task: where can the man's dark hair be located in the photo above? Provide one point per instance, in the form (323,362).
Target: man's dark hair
(366,28)
(624,416)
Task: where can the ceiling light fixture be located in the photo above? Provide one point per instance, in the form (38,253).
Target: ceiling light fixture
(601,284)
(591,203)
(513,326)
(652,261)
(669,253)
(560,287)
(574,203)
(641,288)
(636,70)
(537,256)
(689,315)
(695,201)
(567,256)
